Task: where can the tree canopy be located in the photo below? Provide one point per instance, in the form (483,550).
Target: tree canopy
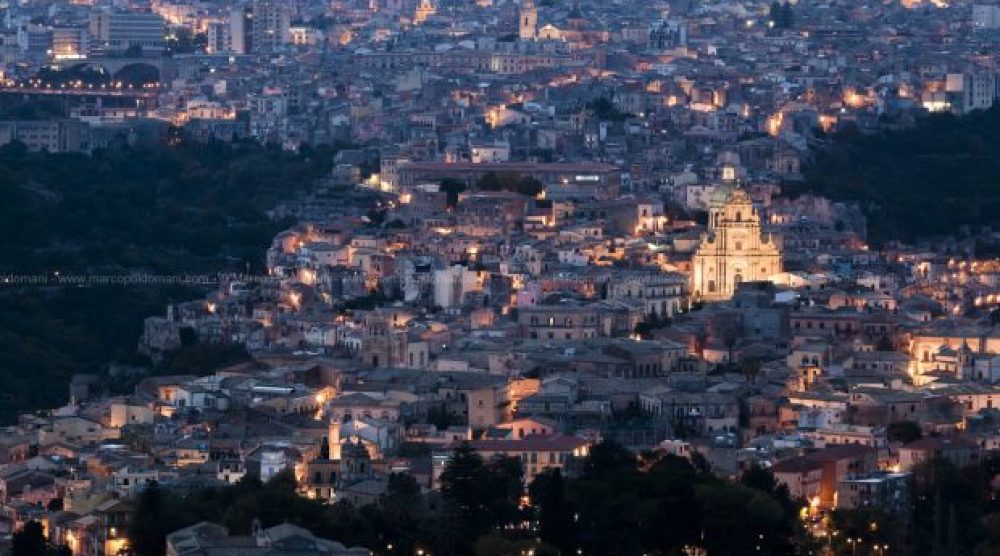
(189,209)
(505,181)
(935,179)
(619,504)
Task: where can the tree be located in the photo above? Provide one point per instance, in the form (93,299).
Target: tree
(871,525)
(506,484)
(506,181)
(759,478)
(781,14)
(903,431)
(750,367)
(205,213)
(616,507)
(554,512)
(945,495)
(397,521)
(787,16)
(530,187)
(884,344)
(483,495)
(774,13)
(146,531)
(701,463)
(605,109)
(728,331)
(990,546)
(498,544)
(608,457)
(29,541)
(452,187)
(439,416)
(465,485)
(895,176)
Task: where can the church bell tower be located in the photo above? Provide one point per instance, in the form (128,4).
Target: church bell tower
(529,21)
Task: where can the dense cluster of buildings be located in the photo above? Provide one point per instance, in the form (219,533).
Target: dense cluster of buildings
(575,217)
(447,80)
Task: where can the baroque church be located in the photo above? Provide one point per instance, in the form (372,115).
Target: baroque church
(734,249)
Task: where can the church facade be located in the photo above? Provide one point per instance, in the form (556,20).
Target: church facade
(733,250)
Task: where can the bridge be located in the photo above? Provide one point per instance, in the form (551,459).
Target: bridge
(165,68)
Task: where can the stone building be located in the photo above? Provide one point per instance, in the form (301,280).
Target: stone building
(733,250)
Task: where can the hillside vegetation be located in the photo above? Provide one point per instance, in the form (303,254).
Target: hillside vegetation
(186,209)
(941,177)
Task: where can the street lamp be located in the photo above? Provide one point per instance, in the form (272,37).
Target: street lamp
(829,541)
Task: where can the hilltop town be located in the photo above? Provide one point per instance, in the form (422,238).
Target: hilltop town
(549,227)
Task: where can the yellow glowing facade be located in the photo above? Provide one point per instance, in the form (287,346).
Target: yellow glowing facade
(733,250)
(424,11)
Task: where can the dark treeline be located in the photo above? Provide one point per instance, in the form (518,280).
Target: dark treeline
(619,504)
(156,208)
(952,510)
(934,179)
(191,208)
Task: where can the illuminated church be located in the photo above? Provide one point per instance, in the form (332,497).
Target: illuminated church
(733,250)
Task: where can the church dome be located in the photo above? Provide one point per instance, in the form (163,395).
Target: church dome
(728,157)
(721,195)
(730,195)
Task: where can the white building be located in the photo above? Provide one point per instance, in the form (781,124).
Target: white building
(260,26)
(451,285)
(271,463)
(118,31)
(985,16)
